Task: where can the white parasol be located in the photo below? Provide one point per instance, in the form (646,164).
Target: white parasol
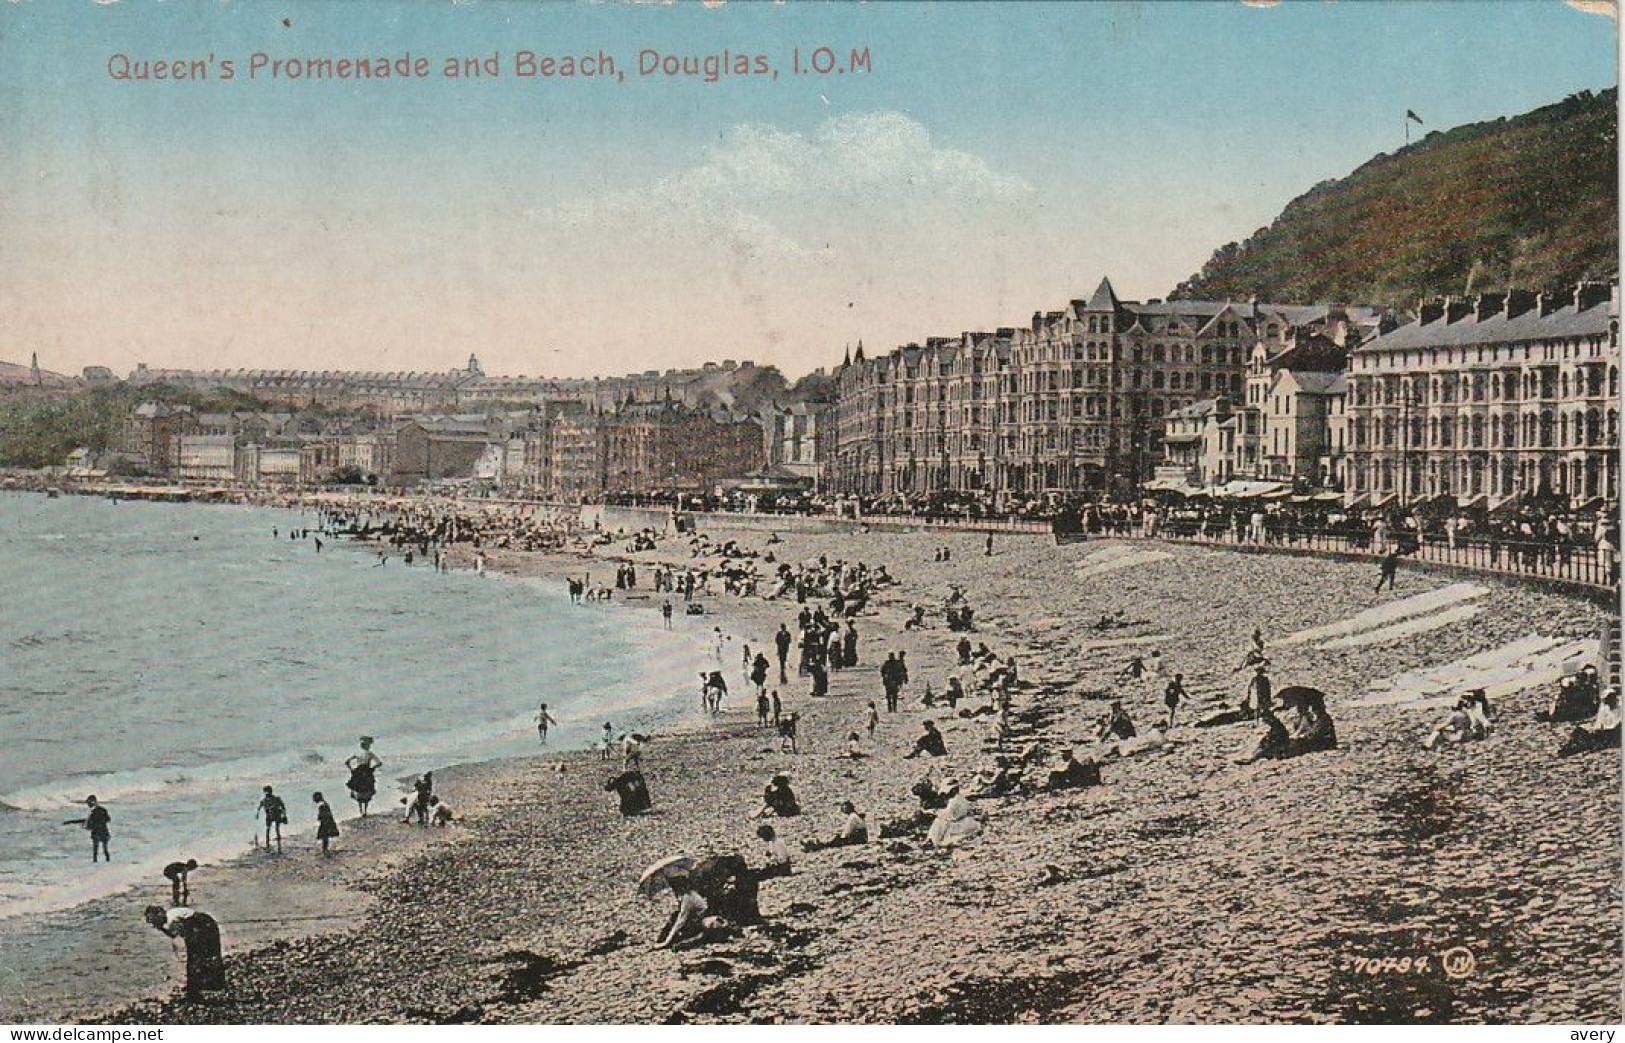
(657,876)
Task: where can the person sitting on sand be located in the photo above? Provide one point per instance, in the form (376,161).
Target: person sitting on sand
(1117,724)
(442,813)
(1601,734)
(633,792)
(1576,700)
(1133,671)
(854,830)
(854,747)
(1311,730)
(779,799)
(1468,722)
(930,743)
(955,823)
(1073,773)
(916,621)
(775,854)
(1273,740)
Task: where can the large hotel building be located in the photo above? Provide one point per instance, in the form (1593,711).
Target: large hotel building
(1485,400)
(1074,401)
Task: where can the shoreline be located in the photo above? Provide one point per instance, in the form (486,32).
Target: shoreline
(838,926)
(48,944)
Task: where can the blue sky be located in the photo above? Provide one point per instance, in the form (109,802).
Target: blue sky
(996,160)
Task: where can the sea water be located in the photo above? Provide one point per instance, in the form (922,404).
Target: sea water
(172,659)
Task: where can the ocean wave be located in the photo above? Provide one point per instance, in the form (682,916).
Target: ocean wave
(163,782)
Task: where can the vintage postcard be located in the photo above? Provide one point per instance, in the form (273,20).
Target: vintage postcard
(809,513)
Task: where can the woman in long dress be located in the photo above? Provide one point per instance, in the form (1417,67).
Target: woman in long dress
(955,823)
(363,784)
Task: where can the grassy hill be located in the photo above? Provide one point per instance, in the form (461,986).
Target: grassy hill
(1528,201)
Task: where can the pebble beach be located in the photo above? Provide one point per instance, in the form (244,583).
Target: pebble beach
(1343,886)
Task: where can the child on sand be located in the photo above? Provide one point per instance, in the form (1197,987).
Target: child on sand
(276,816)
(326,827)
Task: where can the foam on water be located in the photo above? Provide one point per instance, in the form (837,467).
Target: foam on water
(174,676)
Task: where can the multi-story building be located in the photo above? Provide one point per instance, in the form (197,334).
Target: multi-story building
(150,432)
(205,457)
(1074,401)
(575,457)
(1505,395)
(790,434)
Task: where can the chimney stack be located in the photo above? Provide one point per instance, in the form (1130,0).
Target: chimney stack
(1588,295)
(1547,302)
(1518,302)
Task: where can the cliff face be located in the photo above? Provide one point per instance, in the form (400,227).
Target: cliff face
(1529,201)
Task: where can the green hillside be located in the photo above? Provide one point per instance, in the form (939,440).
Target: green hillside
(1528,201)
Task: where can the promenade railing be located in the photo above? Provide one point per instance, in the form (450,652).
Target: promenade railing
(1581,564)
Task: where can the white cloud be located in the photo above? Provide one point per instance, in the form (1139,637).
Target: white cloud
(773,192)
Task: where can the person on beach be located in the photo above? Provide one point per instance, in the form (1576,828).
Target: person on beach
(1603,731)
(781,643)
(665,613)
(327,828)
(1117,725)
(719,641)
(1073,773)
(854,830)
(422,793)
(955,823)
(891,681)
(778,799)
(363,784)
(608,742)
(99,823)
(854,747)
(544,720)
(1173,696)
(775,854)
(631,751)
(778,709)
(1389,568)
(873,718)
(686,919)
(758,673)
(929,743)
(988,550)
(442,814)
(633,792)
(180,885)
(275,813)
(1133,671)
(198,931)
(1259,700)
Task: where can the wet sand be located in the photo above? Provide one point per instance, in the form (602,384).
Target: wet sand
(1187,889)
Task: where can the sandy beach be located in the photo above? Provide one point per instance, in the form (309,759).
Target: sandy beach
(1186,889)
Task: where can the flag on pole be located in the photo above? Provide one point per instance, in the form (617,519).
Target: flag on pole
(1410,114)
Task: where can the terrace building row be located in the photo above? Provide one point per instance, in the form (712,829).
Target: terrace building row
(1502,397)
(1075,401)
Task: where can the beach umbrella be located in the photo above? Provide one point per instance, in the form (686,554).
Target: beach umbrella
(657,876)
